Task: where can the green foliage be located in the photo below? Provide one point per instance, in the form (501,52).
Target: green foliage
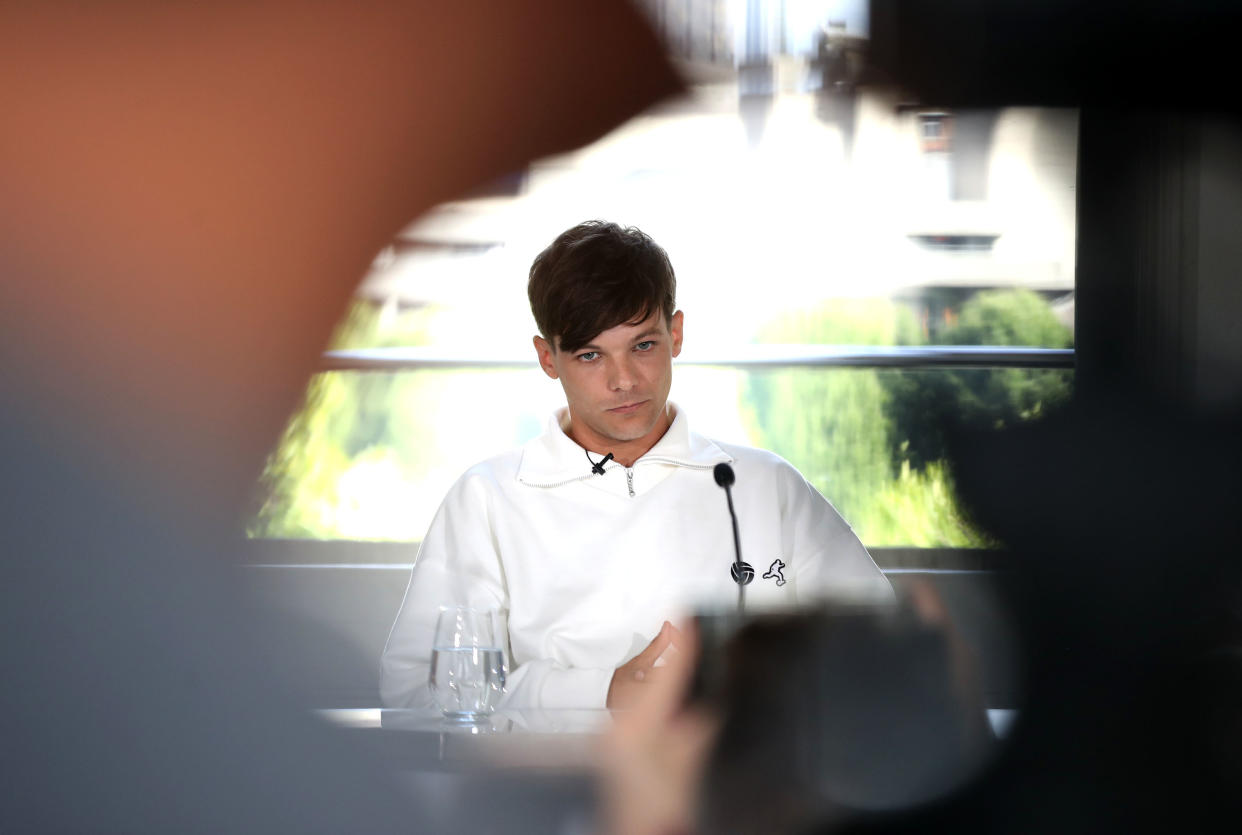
(841,448)
(368,457)
(345,423)
(871,441)
(833,425)
(370,454)
(919,508)
(923,401)
(1006,317)
(299,479)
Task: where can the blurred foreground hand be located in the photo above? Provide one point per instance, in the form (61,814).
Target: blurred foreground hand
(652,761)
(631,679)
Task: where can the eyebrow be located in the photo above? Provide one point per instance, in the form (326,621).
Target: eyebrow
(642,337)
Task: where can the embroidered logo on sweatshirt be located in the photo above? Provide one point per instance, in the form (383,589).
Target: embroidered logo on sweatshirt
(774,572)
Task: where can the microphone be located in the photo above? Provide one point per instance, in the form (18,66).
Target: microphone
(742,572)
(597,467)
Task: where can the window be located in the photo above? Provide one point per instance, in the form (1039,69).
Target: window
(835,300)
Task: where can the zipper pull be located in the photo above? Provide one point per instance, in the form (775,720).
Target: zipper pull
(629,480)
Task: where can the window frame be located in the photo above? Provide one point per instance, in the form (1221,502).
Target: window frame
(346,553)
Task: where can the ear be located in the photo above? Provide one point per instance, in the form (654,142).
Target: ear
(675,329)
(543,350)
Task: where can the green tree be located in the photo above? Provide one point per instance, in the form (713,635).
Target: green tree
(831,424)
(923,401)
(837,426)
(369,454)
(346,420)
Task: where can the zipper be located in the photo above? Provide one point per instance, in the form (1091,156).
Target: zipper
(629,473)
(558,483)
(678,462)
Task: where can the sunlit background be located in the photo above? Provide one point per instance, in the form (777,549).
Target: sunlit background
(804,206)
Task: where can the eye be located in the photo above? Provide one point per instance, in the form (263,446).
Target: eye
(645,346)
(588,356)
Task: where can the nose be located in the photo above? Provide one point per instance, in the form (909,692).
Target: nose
(621,374)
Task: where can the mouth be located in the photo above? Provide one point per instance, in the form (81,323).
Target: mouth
(628,408)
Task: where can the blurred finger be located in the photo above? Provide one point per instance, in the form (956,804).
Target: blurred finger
(676,636)
(666,656)
(668,685)
(654,649)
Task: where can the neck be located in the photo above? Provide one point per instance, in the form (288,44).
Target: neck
(624,453)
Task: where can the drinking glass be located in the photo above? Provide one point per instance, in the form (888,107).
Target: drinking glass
(467,663)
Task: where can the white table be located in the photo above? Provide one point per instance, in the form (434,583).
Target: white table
(559,740)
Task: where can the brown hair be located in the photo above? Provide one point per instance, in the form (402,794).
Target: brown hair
(595,276)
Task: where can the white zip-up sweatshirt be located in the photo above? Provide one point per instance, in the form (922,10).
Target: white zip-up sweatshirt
(587,567)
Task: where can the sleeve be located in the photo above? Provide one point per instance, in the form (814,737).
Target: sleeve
(827,559)
(458,564)
(543,683)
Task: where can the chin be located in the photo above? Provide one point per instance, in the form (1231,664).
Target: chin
(619,435)
(631,432)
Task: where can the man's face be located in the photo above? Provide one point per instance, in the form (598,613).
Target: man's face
(617,385)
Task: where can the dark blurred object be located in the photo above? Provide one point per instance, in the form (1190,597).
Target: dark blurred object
(1059,53)
(1123,522)
(832,712)
(1122,514)
(713,631)
(190,193)
(1159,186)
(1157,291)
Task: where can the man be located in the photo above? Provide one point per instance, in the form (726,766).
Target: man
(593,535)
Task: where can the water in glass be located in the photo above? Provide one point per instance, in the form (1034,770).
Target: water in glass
(467,664)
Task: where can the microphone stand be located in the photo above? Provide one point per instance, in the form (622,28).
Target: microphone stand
(742,572)
(737,555)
